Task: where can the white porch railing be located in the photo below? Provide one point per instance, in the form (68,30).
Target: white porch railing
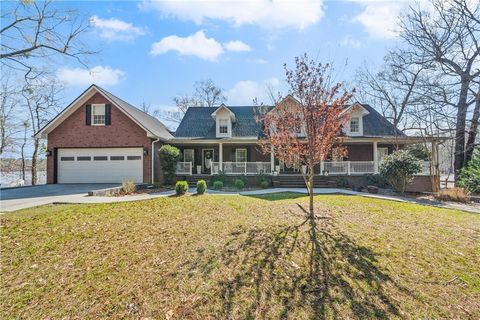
(328,167)
(336,167)
(184,168)
(242,167)
(362,167)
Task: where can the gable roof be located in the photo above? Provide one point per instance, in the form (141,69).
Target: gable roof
(199,124)
(151,125)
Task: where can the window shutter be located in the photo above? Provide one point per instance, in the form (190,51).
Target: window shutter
(108,114)
(234,155)
(88,114)
(249,157)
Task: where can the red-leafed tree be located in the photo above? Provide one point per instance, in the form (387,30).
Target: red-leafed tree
(306,127)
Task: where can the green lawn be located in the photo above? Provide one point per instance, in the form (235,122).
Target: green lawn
(237,257)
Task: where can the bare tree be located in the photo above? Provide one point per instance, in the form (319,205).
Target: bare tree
(42,100)
(9,126)
(34,31)
(446,38)
(393,88)
(26,125)
(207,94)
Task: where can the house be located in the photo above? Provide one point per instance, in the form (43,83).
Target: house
(101,138)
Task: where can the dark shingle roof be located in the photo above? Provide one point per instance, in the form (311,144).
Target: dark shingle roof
(199,124)
(375,125)
(150,123)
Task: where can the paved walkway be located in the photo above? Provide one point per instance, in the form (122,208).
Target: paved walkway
(7,205)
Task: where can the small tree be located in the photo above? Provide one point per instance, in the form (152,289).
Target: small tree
(169,156)
(469,177)
(305,127)
(398,168)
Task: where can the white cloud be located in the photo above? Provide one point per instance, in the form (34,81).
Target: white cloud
(243,92)
(237,46)
(379,19)
(350,42)
(266,13)
(115,29)
(197,45)
(103,76)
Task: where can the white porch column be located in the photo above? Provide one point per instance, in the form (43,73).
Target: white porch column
(220,156)
(272,160)
(375,157)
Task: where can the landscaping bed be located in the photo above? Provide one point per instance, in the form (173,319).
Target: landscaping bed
(238,257)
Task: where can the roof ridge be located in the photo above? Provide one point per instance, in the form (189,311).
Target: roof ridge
(108,92)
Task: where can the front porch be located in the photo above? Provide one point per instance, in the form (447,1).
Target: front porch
(246,159)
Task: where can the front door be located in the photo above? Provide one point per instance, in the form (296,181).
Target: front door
(207,160)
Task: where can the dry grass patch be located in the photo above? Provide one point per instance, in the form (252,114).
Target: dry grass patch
(234,257)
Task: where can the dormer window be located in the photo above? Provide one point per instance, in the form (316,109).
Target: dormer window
(98,114)
(355,125)
(223,126)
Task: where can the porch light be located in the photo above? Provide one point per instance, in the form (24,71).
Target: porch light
(48,153)
(145,151)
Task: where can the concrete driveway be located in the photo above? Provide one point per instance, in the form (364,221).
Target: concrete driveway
(26,197)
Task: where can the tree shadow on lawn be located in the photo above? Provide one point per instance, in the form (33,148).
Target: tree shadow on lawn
(310,270)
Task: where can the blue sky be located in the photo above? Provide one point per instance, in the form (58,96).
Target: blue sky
(153,51)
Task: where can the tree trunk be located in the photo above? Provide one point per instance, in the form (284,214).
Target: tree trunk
(34,161)
(472,133)
(310,183)
(462,108)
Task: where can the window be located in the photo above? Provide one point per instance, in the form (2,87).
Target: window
(188,155)
(98,114)
(67,158)
(117,158)
(241,155)
(134,157)
(100,158)
(355,125)
(84,158)
(223,126)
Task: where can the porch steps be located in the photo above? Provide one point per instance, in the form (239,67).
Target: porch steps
(193,179)
(296,181)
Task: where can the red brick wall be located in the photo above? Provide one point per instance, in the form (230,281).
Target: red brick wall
(123,132)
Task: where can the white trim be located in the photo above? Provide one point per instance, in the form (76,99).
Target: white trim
(236,154)
(224,107)
(77,103)
(96,105)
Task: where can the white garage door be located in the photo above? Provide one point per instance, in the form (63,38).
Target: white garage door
(95,165)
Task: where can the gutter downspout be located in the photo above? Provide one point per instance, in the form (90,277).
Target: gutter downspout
(153,158)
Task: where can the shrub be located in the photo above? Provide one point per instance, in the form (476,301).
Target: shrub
(181,187)
(239,184)
(169,156)
(376,180)
(398,169)
(469,177)
(220,176)
(342,182)
(201,186)
(217,185)
(265,184)
(419,151)
(264,181)
(129,186)
(453,194)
